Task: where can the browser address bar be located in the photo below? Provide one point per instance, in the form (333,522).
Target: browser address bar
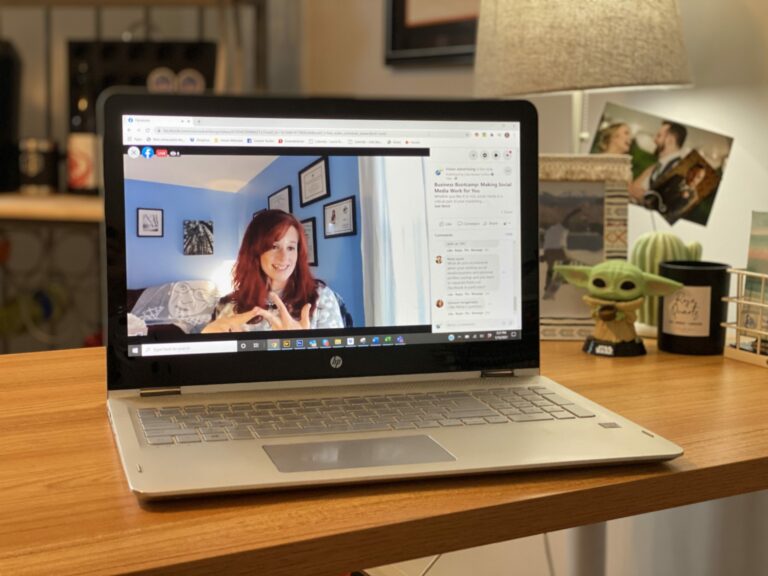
(270,131)
(318,132)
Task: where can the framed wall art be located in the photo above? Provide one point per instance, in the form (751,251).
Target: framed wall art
(149,222)
(339,218)
(310,233)
(198,237)
(431,30)
(280,200)
(314,182)
(582,220)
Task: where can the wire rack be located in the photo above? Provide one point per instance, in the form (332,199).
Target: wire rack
(747,338)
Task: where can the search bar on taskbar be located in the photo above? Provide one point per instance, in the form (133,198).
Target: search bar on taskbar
(181,348)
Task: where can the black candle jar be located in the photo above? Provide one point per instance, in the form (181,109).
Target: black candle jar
(690,319)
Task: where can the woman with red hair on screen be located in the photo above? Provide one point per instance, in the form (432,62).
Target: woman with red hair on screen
(274,288)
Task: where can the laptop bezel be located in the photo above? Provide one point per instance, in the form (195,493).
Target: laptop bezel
(126,372)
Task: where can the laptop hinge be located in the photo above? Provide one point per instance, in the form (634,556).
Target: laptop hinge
(172,391)
(509,372)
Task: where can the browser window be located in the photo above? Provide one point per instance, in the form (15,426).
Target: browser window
(405,232)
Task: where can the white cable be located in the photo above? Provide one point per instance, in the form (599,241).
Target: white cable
(430,565)
(548,553)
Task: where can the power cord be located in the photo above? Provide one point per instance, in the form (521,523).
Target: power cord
(423,572)
(430,565)
(548,553)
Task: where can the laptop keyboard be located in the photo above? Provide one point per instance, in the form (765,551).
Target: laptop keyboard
(345,414)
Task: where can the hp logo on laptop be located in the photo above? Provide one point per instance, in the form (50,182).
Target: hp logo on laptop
(336,362)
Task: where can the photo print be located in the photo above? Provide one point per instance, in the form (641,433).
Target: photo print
(676,168)
(756,287)
(198,237)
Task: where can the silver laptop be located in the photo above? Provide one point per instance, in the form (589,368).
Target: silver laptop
(309,292)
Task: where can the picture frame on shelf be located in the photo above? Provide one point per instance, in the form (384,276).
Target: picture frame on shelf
(339,218)
(431,31)
(310,234)
(149,222)
(582,220)
(281,200)
(314,182)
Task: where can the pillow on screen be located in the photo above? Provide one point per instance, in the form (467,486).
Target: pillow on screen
(187,304)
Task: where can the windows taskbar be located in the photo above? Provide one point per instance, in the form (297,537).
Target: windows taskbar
(322,343)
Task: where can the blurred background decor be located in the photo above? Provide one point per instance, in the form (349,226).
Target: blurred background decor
(431,31)
(10,72)
(55,59)
(170,66)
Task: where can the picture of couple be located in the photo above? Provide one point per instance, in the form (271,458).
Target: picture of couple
(676,168)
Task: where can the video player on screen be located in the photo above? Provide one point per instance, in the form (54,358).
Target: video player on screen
(274,288)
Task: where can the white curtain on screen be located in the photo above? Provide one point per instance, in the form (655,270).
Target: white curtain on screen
(394,241)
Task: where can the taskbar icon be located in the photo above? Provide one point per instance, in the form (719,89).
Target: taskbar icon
(278,344)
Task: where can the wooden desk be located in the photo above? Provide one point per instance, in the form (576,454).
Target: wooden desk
(65,507)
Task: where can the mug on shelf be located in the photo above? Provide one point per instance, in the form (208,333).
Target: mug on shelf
(39,165)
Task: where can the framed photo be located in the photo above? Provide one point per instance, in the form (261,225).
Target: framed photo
(280,200)
(310,233)
(431,30)
(198,237)
(149,222)
(339,218)
(582,220)
(314,182)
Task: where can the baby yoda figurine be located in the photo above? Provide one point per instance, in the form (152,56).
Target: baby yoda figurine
(615,290)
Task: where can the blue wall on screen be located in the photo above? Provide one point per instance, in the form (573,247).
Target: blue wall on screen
(153,261)
(340,262)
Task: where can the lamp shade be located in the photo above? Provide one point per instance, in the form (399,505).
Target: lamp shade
(531,46)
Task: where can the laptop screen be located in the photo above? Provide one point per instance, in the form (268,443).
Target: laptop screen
(375,235)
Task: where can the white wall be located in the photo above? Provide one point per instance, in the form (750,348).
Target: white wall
(343,53)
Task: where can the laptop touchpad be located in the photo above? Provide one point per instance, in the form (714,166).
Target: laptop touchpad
(334,455)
